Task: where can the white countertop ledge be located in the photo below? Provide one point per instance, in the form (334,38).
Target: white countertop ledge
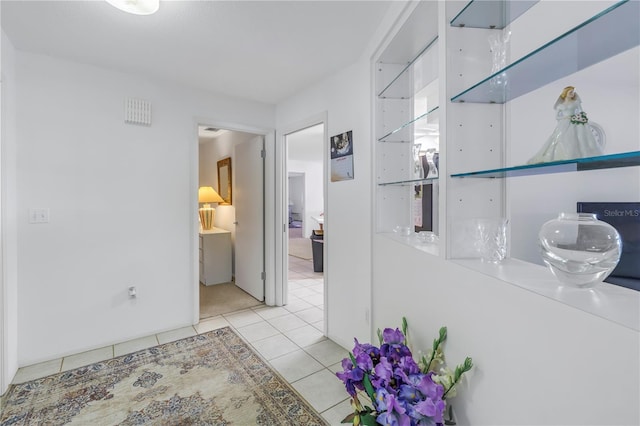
(412,240)
(618,304)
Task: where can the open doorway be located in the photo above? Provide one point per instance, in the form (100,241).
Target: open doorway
(305,202)
(231,247)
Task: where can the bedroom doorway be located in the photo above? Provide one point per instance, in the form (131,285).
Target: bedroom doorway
(231,162)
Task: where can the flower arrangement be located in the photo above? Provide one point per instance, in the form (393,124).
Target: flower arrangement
(403,392)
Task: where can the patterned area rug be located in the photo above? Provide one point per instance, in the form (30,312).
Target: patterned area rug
(209,379)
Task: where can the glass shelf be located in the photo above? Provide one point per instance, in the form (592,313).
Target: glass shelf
(381,95)
(404,138)
(410,182)
(491,13)
(612,161)
(607,34)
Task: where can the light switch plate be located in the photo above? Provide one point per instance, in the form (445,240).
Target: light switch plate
(39,215)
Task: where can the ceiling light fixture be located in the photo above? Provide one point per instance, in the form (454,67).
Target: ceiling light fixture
(137,7)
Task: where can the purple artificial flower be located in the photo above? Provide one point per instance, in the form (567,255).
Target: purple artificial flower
(415,379)
(393,346)
(351,377)
(408,365)
(381,399)
(383,372)
(392,412)
(431,407)
(366,348)
(403,368)
(392,337)
(409,394)
(431,411)
(364,362)
(429,388)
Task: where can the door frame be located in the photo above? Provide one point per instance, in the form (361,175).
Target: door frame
(270,208)
(282,173)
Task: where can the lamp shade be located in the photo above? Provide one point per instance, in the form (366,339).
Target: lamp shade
(207,194)
(137,7)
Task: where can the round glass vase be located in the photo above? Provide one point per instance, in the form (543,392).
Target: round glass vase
(580,250)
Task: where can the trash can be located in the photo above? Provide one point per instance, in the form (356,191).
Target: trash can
(317,246)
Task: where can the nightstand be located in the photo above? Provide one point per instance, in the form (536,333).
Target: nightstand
(215,256)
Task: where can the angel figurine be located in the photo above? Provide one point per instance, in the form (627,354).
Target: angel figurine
(574,136)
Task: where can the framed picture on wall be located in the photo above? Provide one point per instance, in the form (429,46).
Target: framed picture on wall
(341,156)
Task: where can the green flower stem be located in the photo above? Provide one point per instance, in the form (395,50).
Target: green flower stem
(436,344)
(460,370)
(405,332)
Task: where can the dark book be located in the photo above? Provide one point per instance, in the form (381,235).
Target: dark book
(625,217)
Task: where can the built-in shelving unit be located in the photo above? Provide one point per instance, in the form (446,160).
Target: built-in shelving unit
(407,101)
(483,99)
(612,161)
(607,34)
(479,112)
(502,66)
(493,14)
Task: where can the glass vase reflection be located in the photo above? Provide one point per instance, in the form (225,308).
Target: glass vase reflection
(432,156)
(418,171)
(580,250)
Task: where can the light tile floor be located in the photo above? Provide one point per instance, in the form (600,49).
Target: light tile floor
(290,338)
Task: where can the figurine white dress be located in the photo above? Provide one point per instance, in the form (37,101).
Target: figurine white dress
(573,136)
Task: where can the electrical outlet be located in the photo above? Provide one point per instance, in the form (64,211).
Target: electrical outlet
(38,215)
(133,292)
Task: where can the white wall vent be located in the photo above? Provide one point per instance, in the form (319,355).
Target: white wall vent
(137,111)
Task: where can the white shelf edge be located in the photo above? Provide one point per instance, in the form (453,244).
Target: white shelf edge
(412,241)
(611,302)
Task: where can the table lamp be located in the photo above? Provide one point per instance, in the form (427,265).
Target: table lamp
(206,195)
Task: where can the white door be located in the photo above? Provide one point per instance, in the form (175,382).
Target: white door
(248,199)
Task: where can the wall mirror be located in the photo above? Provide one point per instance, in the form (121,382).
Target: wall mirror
(224,180)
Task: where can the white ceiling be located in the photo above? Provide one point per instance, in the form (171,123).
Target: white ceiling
(258,50)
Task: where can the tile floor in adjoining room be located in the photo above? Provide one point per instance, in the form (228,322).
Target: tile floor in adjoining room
(290,338)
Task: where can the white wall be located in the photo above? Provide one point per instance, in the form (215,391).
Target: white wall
(122,202)
(9,288)
(313,191)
